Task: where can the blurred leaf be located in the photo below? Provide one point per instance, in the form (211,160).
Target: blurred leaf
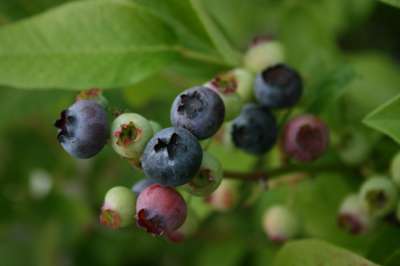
(13,10)
(377,82)
(182,17)
(75,46)
(386,118)
(384,244)
(394,259)
(330,88)
(316,252)
(217,36)
(227,253)
(395,3)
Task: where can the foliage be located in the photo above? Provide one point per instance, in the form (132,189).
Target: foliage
(147,51)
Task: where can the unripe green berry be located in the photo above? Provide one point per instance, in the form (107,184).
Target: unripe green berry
(245,81)
(226,85)
(263,55)
(379,196)
(208,178)
(354,147)
(395,169)
(155,126)
(205,143)
(225,197)
(280,224)
(353,217)
(130,134)
(118,208)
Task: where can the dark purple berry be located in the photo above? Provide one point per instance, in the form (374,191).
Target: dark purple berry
(83,129)
(200,110)
(278,86)
(141,185)
(305,138)
(160,209)
(172,157)
(254,130)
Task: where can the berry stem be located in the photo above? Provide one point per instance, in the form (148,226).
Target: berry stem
(305,169)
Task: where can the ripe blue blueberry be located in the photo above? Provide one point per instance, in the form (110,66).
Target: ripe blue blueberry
(278,86)
(200,110)
(83,129)
(172,157)
(141,185)
(254,130)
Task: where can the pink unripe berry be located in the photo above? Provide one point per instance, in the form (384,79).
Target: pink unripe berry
(160,209)
(305,138)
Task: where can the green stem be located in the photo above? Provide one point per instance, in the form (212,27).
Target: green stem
(199,56)
(309,169)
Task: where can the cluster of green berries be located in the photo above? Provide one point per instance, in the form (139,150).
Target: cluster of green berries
(378,197)
(175,159)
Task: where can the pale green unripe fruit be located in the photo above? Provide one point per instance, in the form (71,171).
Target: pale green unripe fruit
(353,216)
(130,134)
(155,126)
(395,169)
(354,147)
(245,81)
(118,208)
(280,224)
(208,178)
(225,197)
(226,85)
(264,55)
(379,196)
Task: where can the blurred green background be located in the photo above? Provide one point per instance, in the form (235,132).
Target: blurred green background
(50,202)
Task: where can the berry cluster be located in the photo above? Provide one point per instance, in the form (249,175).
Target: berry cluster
(177,157)
(377,198)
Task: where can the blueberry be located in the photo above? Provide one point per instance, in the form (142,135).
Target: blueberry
(118,208)
(263,53)
(280,224)
(160,209)
(278,87)
(254,130)
(353,217)
(226,85)
(225,197)
(200,110)
(83,129)
(208,178)
(172,157)
(141,185)
(130,134)
(305,138)
(379,196)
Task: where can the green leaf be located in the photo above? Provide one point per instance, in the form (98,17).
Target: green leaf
(183,18)
(85,44)
(386,118)
(316,252)
(330,88)
(394,259)
(395,3)
(14,10)
(217,36)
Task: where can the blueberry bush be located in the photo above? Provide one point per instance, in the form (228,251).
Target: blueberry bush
(200,132)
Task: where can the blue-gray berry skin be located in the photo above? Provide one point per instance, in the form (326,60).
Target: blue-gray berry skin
(141,185)
(83,129)
(278,86)
(254,130)
(172,157)
(200,110)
